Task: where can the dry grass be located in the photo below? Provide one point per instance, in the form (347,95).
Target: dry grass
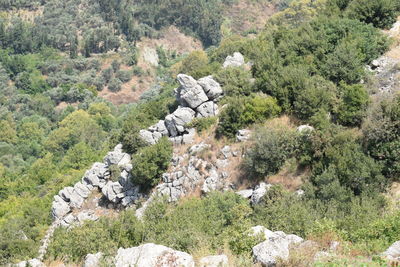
(290,176)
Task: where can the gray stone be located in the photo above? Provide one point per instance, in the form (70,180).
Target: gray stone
(147,136)
(69,219)
(188,137)
(193,150)
(237,60)
(59,208)
(66,193)
(177,140)
(243,135)
(93,260)
(30,263)
(245,193)
(305,129)
(212,182)
(82,190)
(109,193)
(181,117)
(76,200)
(211,87)
(96,175)
(117,157)
(214,261)
(190,93)
(226,152)
(151,255)
(259,192)
(87,215)
(393,252)
(207,109)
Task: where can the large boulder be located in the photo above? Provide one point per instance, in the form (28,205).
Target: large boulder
(236,60)
(97,175)
(393,252)
(243,135)
(190,93)
(214,261)
(151,255)
(207,109)
(212,88)
(111,190)
(177,121)
(59,208)
(148,137)
(276,247)
(93,260)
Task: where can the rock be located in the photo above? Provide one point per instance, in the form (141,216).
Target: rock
(93,260)
(393,252)
(243,135)
(59,208)
(87,215)
(117,157)
(212,182)
(226,152)
(214,261)
(151,255)
(188,137)
(222,163)
(259,192)
(76,200)
(193,150)
(264,232)
(177,121)
(212,88)
(30,263)
(96,175)
(207,109)
(160,128)
(305,129)
(300,192)
(82,190)
(69,219)
(190,93)
(66,193)
(245,193)
(236,60)
(109,193)
(147,136)
(274,248)
(150,55)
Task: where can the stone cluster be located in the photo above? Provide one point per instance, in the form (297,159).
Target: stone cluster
(98,177)
(197,99)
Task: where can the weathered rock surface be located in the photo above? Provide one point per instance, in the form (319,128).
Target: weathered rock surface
(305,128)
(207,109)
(393,252)
(259,193)
(93,260)
(211,87)
(30,263)
(275,247)
(243,135)
(214,261)
(236,60)
(190,93)
(151,255)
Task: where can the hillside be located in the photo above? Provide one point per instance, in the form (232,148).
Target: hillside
(199,133)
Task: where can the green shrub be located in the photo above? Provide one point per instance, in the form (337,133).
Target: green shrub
(242,112)
(235,81)
(272,147)
(202,124)
(381,13)
(123,75)
(149,163)
(114,85)
(353,107)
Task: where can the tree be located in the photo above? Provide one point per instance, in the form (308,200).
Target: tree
(354,104)
(151,162)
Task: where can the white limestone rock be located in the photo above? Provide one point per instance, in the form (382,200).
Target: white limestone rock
(152,255)
(59,208)
(259,192)
(214,261)
(93,260)
(211,87)
(236,60)
(245,193)
(207,109)
(190,93)
(393,252)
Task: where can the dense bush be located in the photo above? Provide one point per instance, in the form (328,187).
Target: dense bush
(235,81)
(151,162)
(242,112)
(381,13)
(114,85)
(354,105)
(271,148)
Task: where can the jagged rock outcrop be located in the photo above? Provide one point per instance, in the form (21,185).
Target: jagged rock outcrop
(243,135)
(236,60)
(386,74)
(277,246)
(393,252)
(98,177)
(152,255)
(197,99)
(214,261)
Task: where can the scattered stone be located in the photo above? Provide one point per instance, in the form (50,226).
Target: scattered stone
(237,60)
(226,152)
(243,135)
(93,260)
(30,263)
(393,252)
(214,261)
(196,149)
(151,255)
(259,192)
(245,193)
(305,129)
(188,137)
